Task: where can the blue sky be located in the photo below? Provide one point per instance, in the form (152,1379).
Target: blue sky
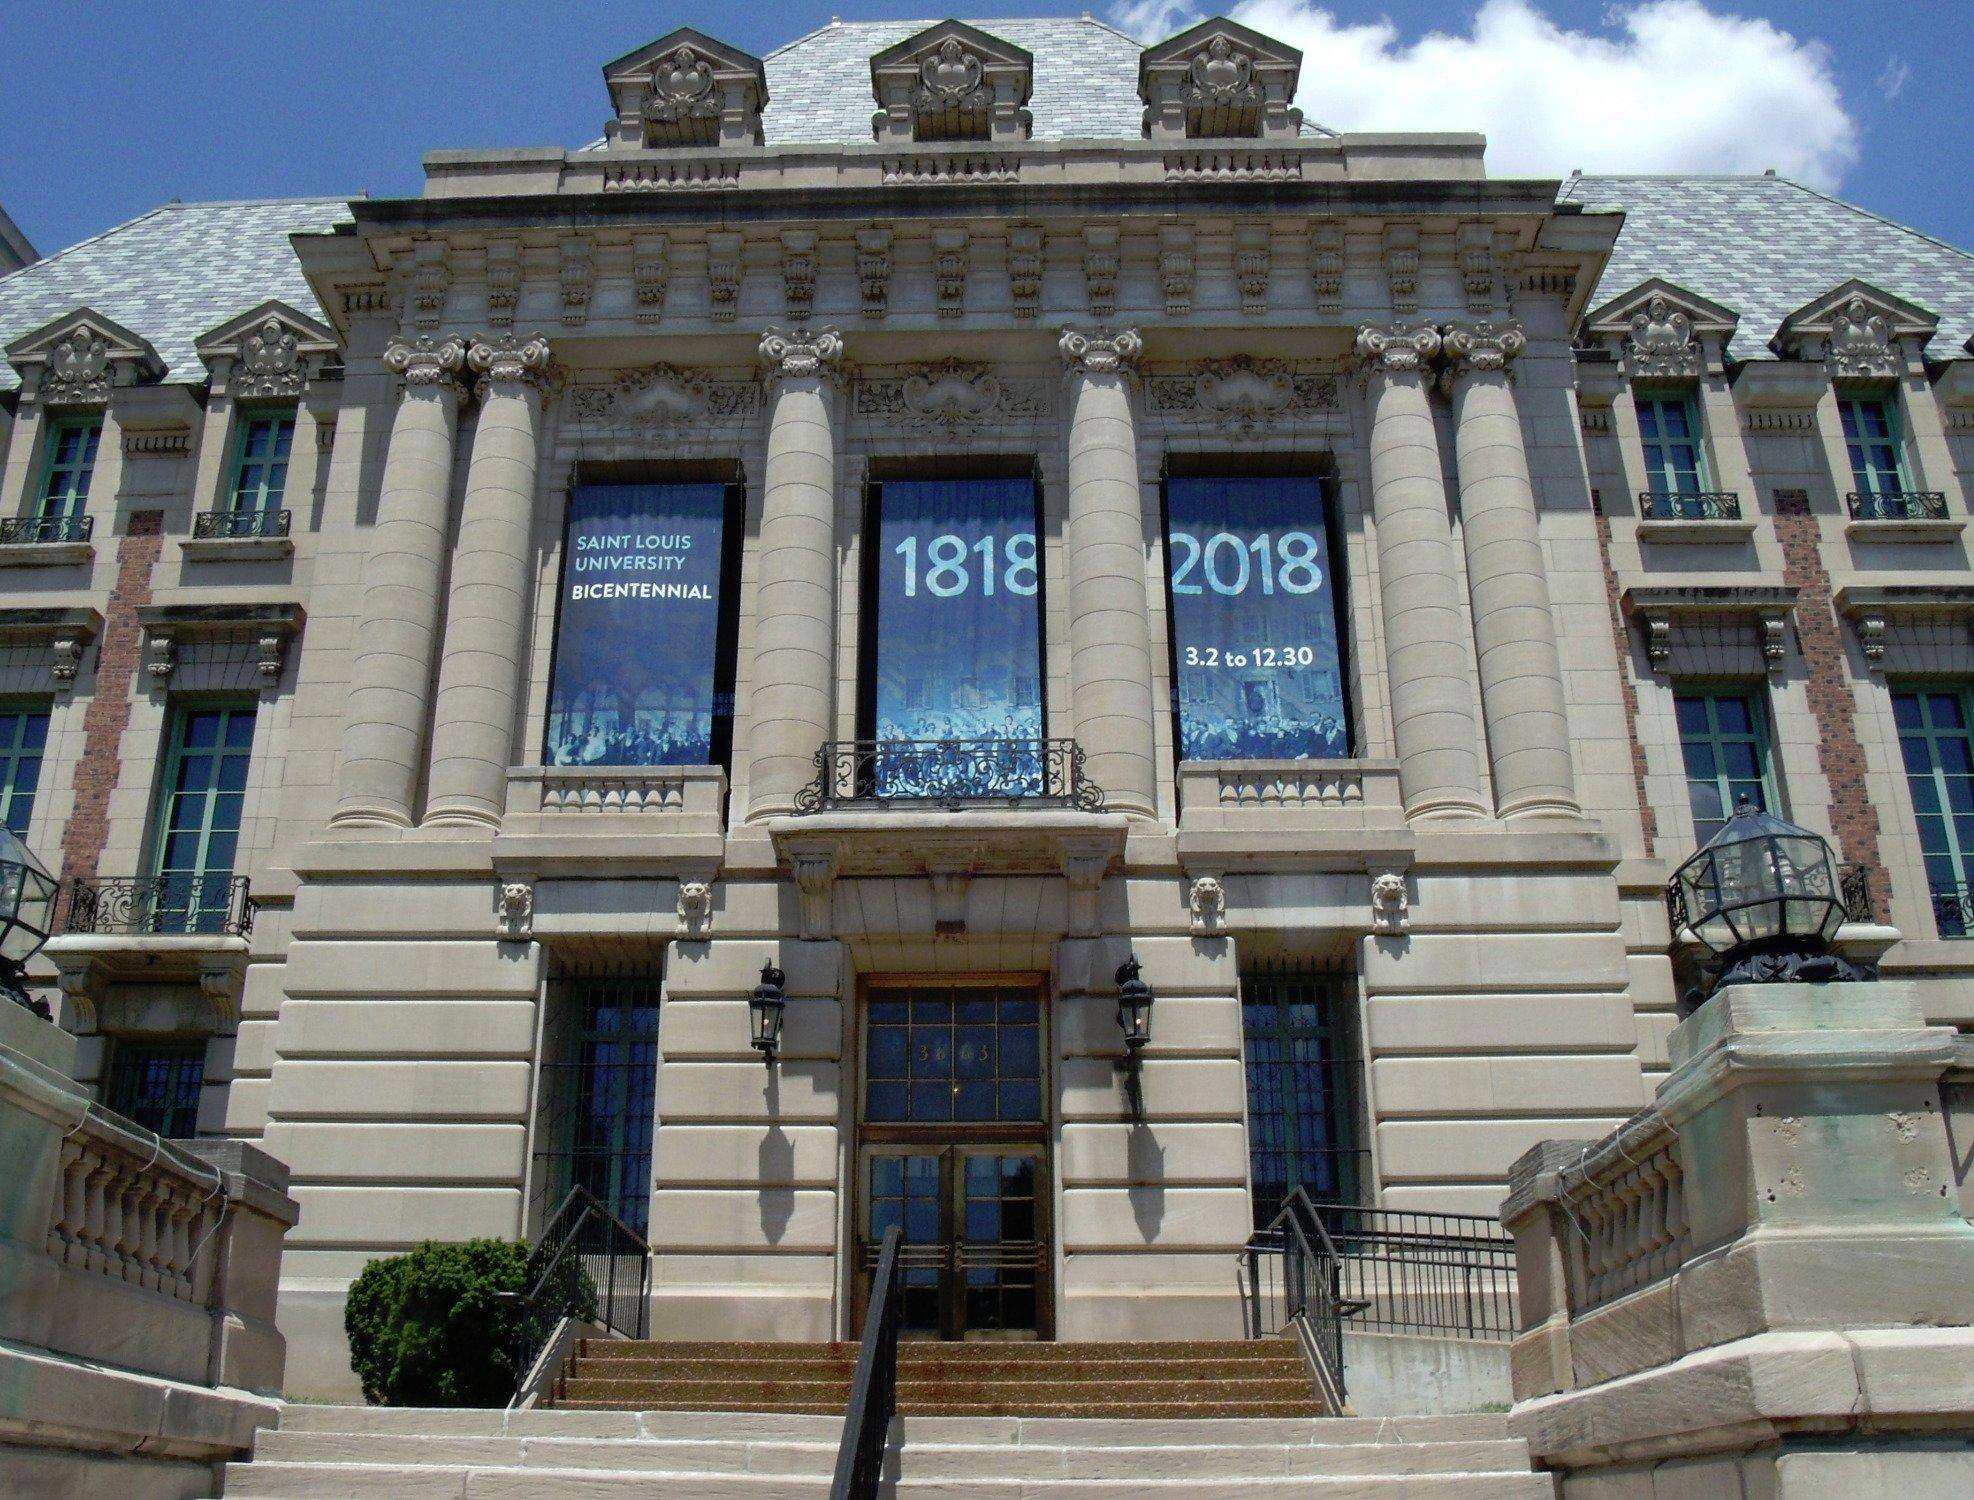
(114,107)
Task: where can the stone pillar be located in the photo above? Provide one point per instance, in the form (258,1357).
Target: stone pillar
(480,668)
(398,624)
(794,665)
(1110,667)
(1431,677)
(1521,676)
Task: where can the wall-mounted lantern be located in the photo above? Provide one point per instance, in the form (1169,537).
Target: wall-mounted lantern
(1134,1004)
(27,915)
(765,1006)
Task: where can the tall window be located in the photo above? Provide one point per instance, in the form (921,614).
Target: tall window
(23,739)
(260,461)
(71,460)
(1871,437)
(599,1095)
(198,817)
(1304,1084)
(1939,768)
(1671,433)
(1724,739)
(156,1085)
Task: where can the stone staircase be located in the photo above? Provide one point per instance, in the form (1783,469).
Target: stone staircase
(344,1451)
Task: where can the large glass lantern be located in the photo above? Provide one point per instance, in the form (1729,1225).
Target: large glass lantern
(1763,896)
(766,1007)
(27,914)
(1134,1003)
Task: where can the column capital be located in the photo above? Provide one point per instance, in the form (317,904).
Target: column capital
(1099,351)
(426,360)
(801,353)
(1397,348)
(1482,346)
(508,360)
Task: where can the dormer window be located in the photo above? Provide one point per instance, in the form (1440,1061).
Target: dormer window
(685,89)
(952,82)
(1220,81)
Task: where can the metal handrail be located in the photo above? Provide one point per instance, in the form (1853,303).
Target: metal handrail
(216,525)
(874,1388)
(1311,1275)
(1416,1271)
(1905,505)
(40,530)
(581,1238)
(997,770)
(1690,505)
(203,905)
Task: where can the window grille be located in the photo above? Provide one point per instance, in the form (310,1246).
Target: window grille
(157,1084)
(1305,1086)
(598,1094)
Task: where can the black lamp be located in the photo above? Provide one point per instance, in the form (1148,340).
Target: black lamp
(1763,896)
(766,1006)
(27,913)
(1134,1003)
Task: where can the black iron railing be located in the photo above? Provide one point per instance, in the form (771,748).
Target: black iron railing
(37,529)
(218,905)
(1404,1271)
(213,524)
(951,773)
(1953,910)
(588,1265)
(1695,505)
(1857,889)
(1906,505)
(1294,1273)
(874,1388)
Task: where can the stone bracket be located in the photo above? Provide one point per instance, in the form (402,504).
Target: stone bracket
(271,627)
(67,633)
(1661,611)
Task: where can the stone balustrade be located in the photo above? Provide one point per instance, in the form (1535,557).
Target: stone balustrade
(1229,794)
(630,799)
(1624,1198)
(134,1213)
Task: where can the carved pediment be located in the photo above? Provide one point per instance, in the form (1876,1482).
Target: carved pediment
(267,351)
(659,406)
(1661,331)
(1219,79)
(1857,330)
(951,82)
(686,89)
(78,358)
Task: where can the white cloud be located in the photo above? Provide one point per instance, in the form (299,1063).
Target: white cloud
(1892,82)
(1675,87)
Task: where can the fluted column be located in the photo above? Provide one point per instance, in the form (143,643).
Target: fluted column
(1427,664)
(398,621)
(795,600)
(1110,667)
(1521,676)
(480,666)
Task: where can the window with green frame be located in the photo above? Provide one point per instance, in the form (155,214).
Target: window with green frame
(260,459)
(1871,437)
(1723,737)
(1938,748)
(69,463)
(197,823)
(1670,429)
(23,739)
(156,1085)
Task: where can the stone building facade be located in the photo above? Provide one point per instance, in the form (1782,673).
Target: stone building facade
(1526,524)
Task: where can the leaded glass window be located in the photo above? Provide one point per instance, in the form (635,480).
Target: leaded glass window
(964,1055)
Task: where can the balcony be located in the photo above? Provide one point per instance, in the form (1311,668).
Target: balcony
(1692,516)
(950,774)
(1953,910)
(174,939)
(166,905)
(1907,516)
(240,533)
(46,541)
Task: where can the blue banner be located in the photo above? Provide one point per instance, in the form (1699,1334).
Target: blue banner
(1254,620)
(638,635)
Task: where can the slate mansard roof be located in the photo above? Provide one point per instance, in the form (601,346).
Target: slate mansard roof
(173,274)
(1766,246)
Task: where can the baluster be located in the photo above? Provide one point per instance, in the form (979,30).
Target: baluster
(145,1198)
(98,1211)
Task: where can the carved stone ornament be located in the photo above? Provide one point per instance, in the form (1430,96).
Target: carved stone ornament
(516,913)
(1100,353)
(1243,395)
(659,401)
(578,280)
(798,272)
(1485,346)
(874,270)
(1219,74)
(1326,251)
(1861,346)
(951,76)
(650,273)
(427,284)
(1208,907)
(951,394)
(503,281)
(508,361)
(801,353)
(722,276)
(1661,343)
(1100,269)
(681,89)
(949,268)
(1399,349)
(1025,269)
(1391,907)
(270,362)
(815,879)
(695,909)
(426,361)
(78,368)
(1175,268)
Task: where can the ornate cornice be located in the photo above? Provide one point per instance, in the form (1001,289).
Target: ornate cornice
(1100,352)
(426,361)
(508,360)
(1483,346)
(801,353)
(1398,348)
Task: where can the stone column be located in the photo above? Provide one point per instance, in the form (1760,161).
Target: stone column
(1431,675)
(1110,667)
(794,668)
(480,667)
(1521,676)
(398,623)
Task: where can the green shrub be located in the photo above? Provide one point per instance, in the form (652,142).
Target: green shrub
(427,1330)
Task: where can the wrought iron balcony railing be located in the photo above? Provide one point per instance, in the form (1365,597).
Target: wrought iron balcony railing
(39,529)
(1856,888)
(1699,505)
(164,905)
(216,524)
(1953,910)
(1907,505)
(952,774)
